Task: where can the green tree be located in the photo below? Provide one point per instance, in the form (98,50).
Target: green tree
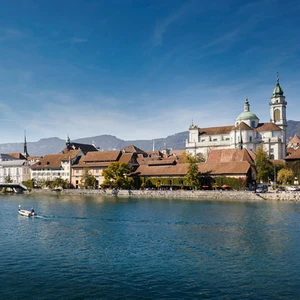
(88,180)
(264,166)
(193,175)
(61,183)
(198,158)
(285,176)
(8,179)
(29,184)
(116,175)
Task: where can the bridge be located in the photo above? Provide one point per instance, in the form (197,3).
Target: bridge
(15,187)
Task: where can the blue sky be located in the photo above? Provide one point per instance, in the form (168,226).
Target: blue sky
(142,69)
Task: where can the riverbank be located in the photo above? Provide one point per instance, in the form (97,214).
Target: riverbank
(182,194)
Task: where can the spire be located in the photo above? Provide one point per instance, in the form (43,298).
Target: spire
(25,153)
(68,141)
(246,105)
(278,91)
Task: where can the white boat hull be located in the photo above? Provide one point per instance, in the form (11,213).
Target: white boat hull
(26,213)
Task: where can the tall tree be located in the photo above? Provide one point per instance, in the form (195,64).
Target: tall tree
(263,165)
(116,175)
(193,175)
(88,180)
(285,176)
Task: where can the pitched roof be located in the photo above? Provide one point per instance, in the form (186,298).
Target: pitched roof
(294,155)
(243,126)
(170,170)
(17,155)
(230,168)
(99,158)
(128,158)
(229,155)
(294,140)
(225,168)
(54,160)
(4,156)
(268,126)
(85,148)
(171,160)
(155,153)
(216,130)
(133,149)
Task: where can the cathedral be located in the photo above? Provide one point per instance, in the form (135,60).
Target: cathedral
(247,131)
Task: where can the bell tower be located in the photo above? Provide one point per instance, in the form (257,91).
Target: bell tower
(278,107)
(278,112)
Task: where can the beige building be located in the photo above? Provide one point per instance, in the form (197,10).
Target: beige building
(96,162)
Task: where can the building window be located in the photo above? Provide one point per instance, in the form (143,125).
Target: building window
(277,115)
(250,138)
(215,140)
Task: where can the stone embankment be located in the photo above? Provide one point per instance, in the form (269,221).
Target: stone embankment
(181,194)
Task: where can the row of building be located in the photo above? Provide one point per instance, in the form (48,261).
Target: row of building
(228,150)
(75,159)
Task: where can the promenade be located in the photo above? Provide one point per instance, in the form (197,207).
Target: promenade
(180,194)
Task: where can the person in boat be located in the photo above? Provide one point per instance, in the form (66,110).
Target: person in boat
(19,207)
(32,210)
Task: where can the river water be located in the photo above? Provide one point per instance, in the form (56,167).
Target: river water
(127,248)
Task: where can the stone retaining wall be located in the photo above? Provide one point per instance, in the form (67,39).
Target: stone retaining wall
(201,195)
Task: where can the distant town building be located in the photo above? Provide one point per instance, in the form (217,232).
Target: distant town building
(247,131)
(53,166)
(16,170)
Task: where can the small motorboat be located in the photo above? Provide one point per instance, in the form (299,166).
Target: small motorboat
(26,213)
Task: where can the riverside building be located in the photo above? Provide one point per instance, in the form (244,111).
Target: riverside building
(247,132)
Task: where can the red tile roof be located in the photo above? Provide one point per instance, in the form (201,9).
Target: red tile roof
(229,155)
(99,158)
(17,155)
(230,168)
(244,126)
(54,160)
(268,126)
(216,130)
(237,168)
(293,156)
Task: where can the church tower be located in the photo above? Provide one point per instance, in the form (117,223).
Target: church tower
(25,152)
(278,110)
(278,107)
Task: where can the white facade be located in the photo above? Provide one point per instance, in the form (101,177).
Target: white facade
(54,166)
(17,170)
(247,132)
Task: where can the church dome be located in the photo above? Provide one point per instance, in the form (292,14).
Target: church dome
(246,115)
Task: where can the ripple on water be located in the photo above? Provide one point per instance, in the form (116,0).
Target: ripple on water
(149,249)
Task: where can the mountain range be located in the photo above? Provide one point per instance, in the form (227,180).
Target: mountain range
(109,142)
